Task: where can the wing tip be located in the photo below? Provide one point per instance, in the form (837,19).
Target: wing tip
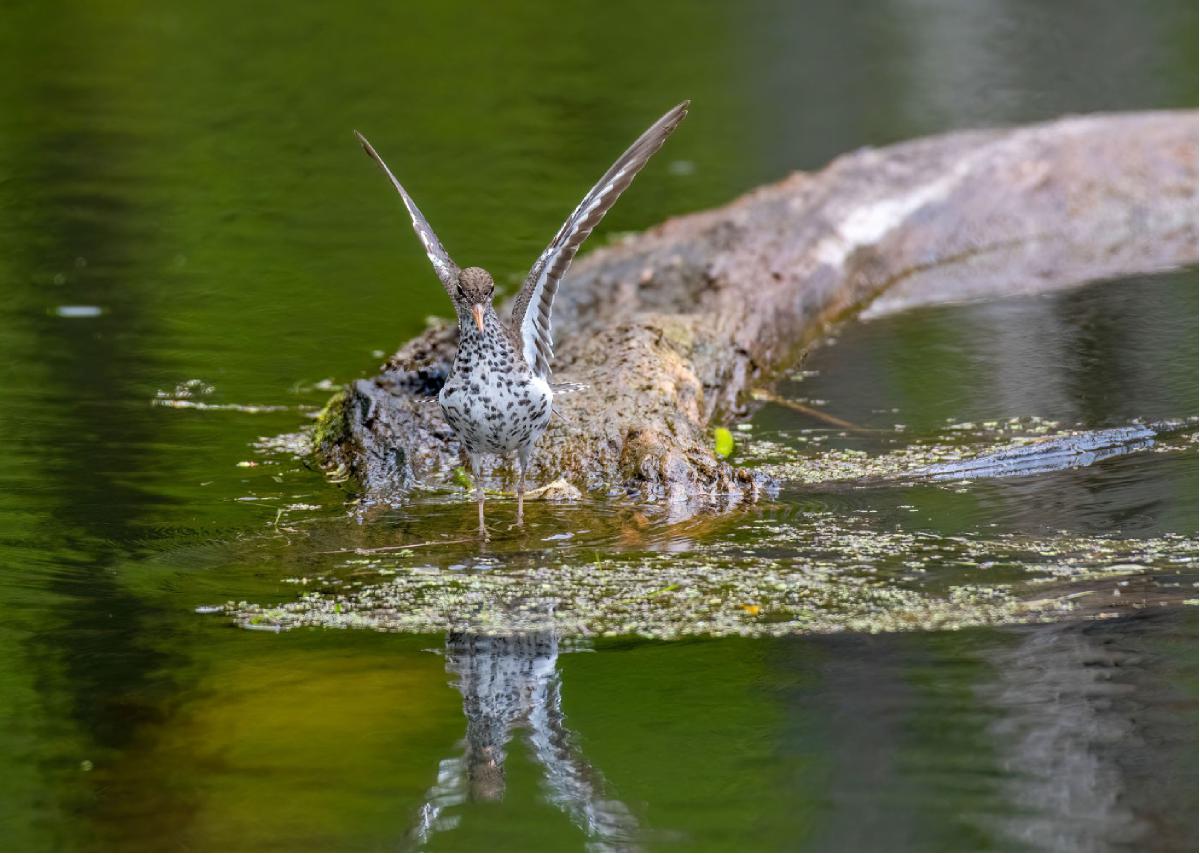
(673,117)
(366,146)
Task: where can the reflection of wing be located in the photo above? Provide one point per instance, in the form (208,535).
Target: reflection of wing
(449,791)
(531,314)
(574,785)
(446,269)
(508,683)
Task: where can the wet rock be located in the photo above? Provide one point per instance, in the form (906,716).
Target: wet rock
(669,330)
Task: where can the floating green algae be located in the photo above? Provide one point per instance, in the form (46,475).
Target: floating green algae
(809,570)
(826,575)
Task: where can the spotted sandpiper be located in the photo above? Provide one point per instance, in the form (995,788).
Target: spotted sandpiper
(497,397)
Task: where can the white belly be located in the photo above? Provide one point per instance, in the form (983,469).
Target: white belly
(495,412)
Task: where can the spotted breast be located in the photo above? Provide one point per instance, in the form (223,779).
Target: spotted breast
(492,400)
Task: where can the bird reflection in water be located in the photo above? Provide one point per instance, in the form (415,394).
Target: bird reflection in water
(511,683)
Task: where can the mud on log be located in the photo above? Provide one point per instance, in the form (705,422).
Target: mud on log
(669,329)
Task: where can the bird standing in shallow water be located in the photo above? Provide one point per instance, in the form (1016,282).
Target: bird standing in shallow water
(497,397)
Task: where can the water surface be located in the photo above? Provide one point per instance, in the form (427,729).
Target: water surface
(186,217)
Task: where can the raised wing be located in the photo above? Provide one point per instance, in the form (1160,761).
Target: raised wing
(531,314)
(446,269)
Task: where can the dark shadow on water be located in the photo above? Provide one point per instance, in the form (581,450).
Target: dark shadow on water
(1088,757)
(1063,737)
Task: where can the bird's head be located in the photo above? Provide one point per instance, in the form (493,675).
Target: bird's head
(474,293)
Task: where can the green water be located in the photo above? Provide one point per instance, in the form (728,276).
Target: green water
(181,200)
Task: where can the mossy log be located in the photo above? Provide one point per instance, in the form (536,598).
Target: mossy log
(669,330)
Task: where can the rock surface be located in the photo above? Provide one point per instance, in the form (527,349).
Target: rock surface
(670,329)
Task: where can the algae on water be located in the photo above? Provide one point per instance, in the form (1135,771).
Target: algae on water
(817,572)
(823,575)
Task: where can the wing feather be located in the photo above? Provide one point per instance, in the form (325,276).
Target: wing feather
(531,313)
(443,265)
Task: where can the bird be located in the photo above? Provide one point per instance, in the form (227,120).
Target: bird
(497,397)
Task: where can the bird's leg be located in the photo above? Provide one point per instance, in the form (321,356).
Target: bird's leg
(522,465)
(478,476)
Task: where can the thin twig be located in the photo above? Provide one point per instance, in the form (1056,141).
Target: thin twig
(812,412)
(360,550)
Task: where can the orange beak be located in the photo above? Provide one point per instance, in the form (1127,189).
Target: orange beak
(477,314)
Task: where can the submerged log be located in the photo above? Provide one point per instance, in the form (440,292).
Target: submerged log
(670,329)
